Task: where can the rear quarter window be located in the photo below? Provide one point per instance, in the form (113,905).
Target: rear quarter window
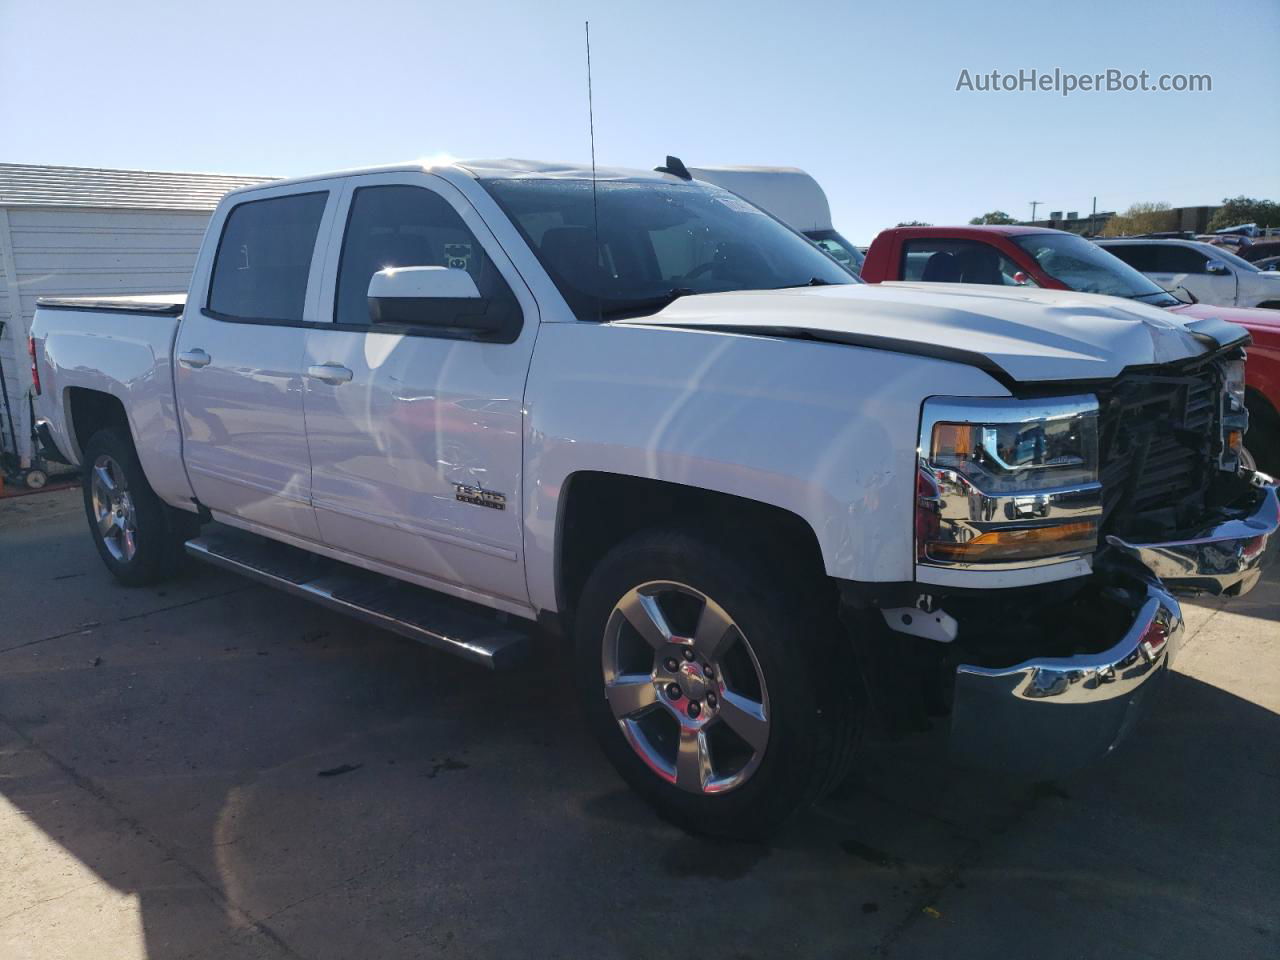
(264,258)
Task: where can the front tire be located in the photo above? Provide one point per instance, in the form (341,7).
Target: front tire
(727,699)
(138,536)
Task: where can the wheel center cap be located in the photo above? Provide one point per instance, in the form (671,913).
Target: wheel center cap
(692,682)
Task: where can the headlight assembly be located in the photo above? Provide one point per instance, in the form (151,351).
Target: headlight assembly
(1007,482)
(1235,416)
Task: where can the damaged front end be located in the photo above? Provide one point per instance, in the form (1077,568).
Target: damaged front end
(1052,537)
(1224,556)
(1049,715)
(1181,498)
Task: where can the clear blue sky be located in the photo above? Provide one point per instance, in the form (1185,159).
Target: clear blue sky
(860,94)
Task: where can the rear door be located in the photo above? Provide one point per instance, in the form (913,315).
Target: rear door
(415,431)
(239,358)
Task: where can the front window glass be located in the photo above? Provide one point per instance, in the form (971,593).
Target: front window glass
(406,226)
(1086,267)
(657,241)
(1160,257)
(1140,256)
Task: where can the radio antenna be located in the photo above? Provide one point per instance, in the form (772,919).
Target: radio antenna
(595,205)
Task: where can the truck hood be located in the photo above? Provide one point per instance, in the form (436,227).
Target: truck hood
(1015,333)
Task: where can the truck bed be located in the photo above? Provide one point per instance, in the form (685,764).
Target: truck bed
(98,351)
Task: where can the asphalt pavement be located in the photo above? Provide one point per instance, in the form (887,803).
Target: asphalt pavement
(210,769)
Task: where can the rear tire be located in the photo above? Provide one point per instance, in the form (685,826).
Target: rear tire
(773,722)
(138,536)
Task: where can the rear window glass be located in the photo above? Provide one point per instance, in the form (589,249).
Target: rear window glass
(264,257)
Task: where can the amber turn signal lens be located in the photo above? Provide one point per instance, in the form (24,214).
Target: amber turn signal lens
(1235,440)
(1025,543)
(954,440)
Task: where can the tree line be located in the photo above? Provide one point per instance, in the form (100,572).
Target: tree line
(1158,217)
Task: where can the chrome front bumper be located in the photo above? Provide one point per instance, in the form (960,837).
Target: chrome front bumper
(1049,716)
(1224,558)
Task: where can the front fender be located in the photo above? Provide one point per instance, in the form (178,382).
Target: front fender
(824,431)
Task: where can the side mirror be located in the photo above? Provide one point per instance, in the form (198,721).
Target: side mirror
(1216,267)
(427,296)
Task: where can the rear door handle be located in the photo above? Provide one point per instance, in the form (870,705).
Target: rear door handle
(194,358)
(331,373)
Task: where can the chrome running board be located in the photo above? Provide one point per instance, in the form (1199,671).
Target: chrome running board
(455,626)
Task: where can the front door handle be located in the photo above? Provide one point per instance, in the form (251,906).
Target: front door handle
(194,358)
(331,373)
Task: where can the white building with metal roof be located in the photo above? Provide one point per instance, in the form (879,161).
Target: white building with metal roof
(73,231)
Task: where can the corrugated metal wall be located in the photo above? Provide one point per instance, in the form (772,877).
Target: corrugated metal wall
(78,252)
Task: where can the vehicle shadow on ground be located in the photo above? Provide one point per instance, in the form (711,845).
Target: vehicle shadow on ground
(269,780)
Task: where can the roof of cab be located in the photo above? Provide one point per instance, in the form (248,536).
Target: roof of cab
(503,169)
(510,169)
(1007,230)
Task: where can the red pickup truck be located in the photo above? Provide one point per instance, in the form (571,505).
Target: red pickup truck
(1057,260)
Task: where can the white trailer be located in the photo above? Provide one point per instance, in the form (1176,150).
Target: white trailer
(792,196)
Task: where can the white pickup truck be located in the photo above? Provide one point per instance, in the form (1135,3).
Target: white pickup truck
(1212,274)
(763,503)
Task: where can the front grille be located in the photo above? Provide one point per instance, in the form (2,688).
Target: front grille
(1159,434)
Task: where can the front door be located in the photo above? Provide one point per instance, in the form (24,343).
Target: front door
(239,361)
(415,431)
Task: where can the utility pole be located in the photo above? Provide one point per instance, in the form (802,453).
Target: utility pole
(1034,204)
(1093,218)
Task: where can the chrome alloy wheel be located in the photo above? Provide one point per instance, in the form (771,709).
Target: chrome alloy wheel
(685,687)
(113,508)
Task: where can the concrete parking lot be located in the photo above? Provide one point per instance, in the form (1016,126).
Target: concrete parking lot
(210,769)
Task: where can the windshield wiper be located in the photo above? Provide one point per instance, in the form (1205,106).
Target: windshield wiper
(811,282)
(1153,293)
(645,305)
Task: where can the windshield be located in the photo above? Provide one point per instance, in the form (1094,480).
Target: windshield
(838,248)
(1086,267)
(657,241)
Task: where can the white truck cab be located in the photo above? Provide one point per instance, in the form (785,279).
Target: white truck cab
(763,503)
(1211,273)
